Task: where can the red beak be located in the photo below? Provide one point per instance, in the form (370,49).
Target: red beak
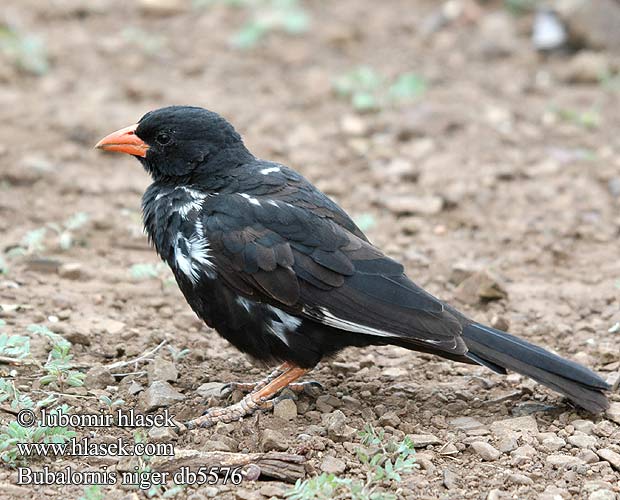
(124,140)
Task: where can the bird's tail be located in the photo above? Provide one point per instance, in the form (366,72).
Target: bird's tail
(499,351)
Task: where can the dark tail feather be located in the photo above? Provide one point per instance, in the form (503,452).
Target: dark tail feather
(500,351)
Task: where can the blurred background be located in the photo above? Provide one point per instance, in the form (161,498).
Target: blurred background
(476,141)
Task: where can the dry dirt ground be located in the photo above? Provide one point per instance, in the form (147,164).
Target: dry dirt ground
(501,165)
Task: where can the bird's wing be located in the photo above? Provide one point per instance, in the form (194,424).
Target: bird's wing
(287,256)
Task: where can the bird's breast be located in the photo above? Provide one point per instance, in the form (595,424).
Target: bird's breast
(173,222)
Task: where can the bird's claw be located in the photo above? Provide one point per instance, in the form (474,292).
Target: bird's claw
(311,388)
(231,387)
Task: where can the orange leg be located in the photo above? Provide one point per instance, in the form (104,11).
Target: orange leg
(259,399)
(254,386)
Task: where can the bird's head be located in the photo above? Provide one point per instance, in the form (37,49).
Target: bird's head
(178,142)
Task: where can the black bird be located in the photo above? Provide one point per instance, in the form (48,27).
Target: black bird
(285,275)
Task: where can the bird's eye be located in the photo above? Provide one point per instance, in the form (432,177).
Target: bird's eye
(163,139)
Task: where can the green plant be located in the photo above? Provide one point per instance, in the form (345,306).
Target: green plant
(25,52)
(149,271)
(148,43)
(384,461)
(8,391)
(368,90)
(176,353)
(265,16)
(66,230)
(93,492)
(4,268)
(109,403)
(13,435)
(58,367)
(588,119)
(14,346)
(519,7)
(34,240)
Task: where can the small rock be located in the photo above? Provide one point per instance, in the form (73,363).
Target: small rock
(588,456)
(520,479)
(332,465)
(273,490)
(210,389)
(337,428)
(423,440)
(286,409)
(525,425)
(161,369)
(351,402)
(506,444)
(76,337)
(495,494)
(389,418)
(604,428)
(522,454)
(583,441)
(98,377)
(448,449)
(500,322)
(159,394)
(354,125)
(73,271)
(134,388)
(611,456)
(450,479)
(591,24)
(553,493)
(548,32)
(497,34)
(425,205)
(584,426)
(245,494)
(614,186)
(217,445)
(162,434)
(43,265)
(559,460)
(552,442)
(602,495)
(462,270)
(112,326)
(587,67)
(481,286)
(485,451)
(162,7)
(466,423)
(613,413)
(273,440)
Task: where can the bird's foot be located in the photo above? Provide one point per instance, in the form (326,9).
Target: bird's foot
(311,388)
(261,399)
(250,387)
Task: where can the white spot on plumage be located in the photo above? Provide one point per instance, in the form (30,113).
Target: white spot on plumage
(273,202)
(287,324)
(284,325)
(327,318)
(194,203)
(192,255)
(251,199)
(245,303)
(269,170)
